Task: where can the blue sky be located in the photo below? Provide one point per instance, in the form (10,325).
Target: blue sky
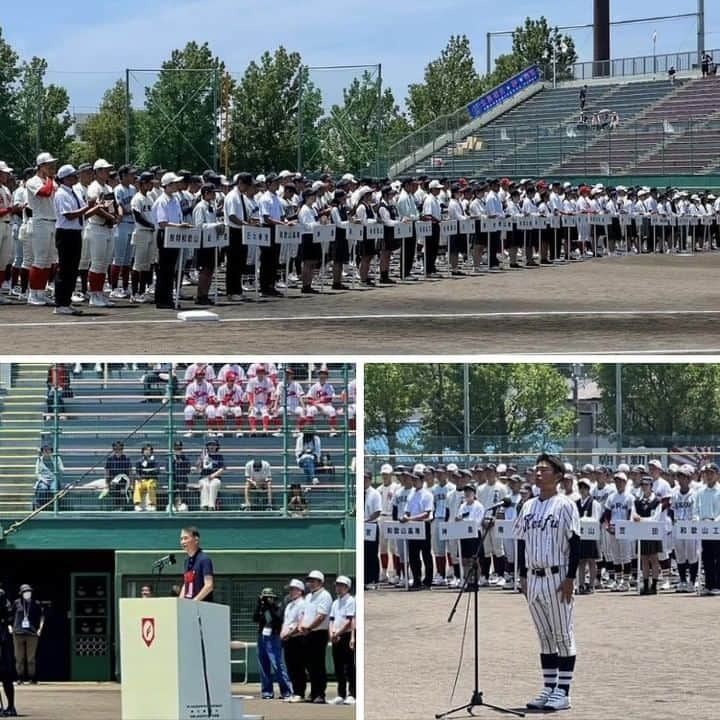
(88,46)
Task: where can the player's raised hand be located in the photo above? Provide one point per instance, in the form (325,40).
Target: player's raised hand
(566,590)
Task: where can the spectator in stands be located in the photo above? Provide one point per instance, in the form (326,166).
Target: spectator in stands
(293,640)
(180,468)
(614,120)
(8,673)
(211,465)
(314,626)
(297,504)
(27,625)
(58,388)
(258,479)
(268,616)
(342,614)
(671,74)
(308,452)
(48,476)
(154,378)
(146,480)
(118,473)
(705,63)
(146,591)
(583,97)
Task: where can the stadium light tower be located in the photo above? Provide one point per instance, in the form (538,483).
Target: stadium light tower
(601,37)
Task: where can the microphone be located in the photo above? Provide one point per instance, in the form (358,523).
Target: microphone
(505,502)
(165,560)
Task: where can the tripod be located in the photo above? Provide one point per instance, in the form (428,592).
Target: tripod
(471,583)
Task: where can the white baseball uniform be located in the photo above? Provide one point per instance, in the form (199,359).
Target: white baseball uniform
(142,238)
(387,497)
(620,506)
(123,249)
(229,403)
(199,401)
(6,237)
(489,495)
(99,235)
(290,398)
(40,228)
(259,394)
(684,507)
(440,495)
(320,397)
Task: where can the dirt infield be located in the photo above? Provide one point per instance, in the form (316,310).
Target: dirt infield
(639,303)
(101,701)
(634,659)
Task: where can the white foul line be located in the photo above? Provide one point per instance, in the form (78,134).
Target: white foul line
(379,316)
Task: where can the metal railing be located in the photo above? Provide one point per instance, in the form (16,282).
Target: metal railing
(82,420)
(640,65)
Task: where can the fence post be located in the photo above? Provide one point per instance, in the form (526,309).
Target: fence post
(57,389)
(171,441)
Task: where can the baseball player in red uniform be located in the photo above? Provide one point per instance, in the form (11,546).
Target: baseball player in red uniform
(320,399)
(548,532)
(199,402)
(259,393)
(288,399)
(229,402)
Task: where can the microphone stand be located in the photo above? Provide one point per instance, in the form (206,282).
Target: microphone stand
(471,583)
(158,565)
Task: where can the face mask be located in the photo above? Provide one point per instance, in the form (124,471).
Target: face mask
(27,595)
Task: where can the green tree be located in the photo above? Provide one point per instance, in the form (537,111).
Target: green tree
(349,134)
(263,126)
(179,126)
(533,43)
(41,112)
(665,404)
(9,129)
(103,135)
(450,82)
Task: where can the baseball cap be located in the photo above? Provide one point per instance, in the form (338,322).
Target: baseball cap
(4,167)
(298,584)
(349,177)
(686,469)
(386,469)
(655,463)
(583,481)
(554,462)
(673,468)
(588,468)
(64,172)
(25,588)
(435,185)
(712,467)
(418,468)
(315,575)
(452,467)
(623,468)
(145,177)
(101,164)
(646,480)
(620,476)
(343,580)
(44,157)
(169,178)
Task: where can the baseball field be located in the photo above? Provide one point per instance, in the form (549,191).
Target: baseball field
(640,658)
(101,701)
(645,303)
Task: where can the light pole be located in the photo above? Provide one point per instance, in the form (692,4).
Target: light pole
(547,56)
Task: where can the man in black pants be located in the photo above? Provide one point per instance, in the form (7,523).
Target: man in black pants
(271,214)
(432,212)
(237,214)
(373,508)
(69,211)
(168,214)
(314,627)
(420,509)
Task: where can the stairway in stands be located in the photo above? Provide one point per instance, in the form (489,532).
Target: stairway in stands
(21,422)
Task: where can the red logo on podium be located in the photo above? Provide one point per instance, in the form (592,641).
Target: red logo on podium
(147,629)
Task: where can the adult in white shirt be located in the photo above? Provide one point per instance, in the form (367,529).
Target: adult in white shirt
(314,626)
(342,616)
(494,209)
(271,215)
(408,212)
(708,509)
(69,210)
(237,212)
(310,251)
(41,227)
(373,510)
(293,640)
(432,212)
(419,508)
(85,177)
(457,242)
(258,479)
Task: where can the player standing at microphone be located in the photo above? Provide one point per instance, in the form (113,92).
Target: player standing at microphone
(548,532)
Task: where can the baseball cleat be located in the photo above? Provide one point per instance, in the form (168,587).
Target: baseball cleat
(558,700)
(539,702)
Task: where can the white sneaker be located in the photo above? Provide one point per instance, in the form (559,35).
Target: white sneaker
(539,702)
(612,585)
(234,298)
(295,699)
(97,299)
(349,700)
(501,582)
(589,253)
(118,293)
(383,576)
(623,586)
(333,433)
(78,297)
(558,700)
(37,297)
(493,580)
(16,292)
(66,311)
(337,701)
(189,433)
(483,582)
(665,585)
(437,580)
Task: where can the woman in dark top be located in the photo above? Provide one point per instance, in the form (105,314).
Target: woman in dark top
(587,507)
(645,507)
(8,674)
(180,466)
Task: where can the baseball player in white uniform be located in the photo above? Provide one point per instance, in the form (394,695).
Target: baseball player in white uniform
(600,493)
(440,492)
(199,402)
(548,533)
(400,500)
(619,506)
(142,239)
(234,368)
(662,491)
(6,213)
(192,370)
(259,392)
(387,490)
(687,552)
(40,227)
(229,403)
(320,399)
(489,494)
(124,192)
(288,399)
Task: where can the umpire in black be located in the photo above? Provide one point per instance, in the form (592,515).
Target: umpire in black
(420,509)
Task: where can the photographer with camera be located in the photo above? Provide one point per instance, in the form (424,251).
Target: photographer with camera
(269,618)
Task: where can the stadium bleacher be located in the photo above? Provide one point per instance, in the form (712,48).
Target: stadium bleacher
(114,404)
(663,129)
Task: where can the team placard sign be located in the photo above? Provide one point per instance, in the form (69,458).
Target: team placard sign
(589,529)
(448,228)
(707,220)
(600,219)
(288,235)
(324,234)
(370,531)
(569,221)
(458,530)
(404,531)
(354,232)
(256,236)
(696,530)
(466,227)
(403,230)
(488,225)
(659,220)
(644,530)
(423,228)
(213,239)
(504,528)
(625,220)
(554,222)
(374,231)
(525,223)
(505,224)
(183,238)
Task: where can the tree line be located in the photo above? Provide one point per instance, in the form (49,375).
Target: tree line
(179,122)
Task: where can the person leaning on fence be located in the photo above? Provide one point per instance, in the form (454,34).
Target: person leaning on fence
(293,640)
(27,625)
(342,614)
(268,617)
(49,470)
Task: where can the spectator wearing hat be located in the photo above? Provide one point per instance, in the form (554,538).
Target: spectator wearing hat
(211,465)
(432,213)
(237,211)
(373,510)
(167,213)
(49,470)
(122,258)
(314,626)
(28,622)
(268,617)
(310,251)
(708,509)
(342,616)
(142,238)
(293,639)
(40,191)
(69,213)
(205,218)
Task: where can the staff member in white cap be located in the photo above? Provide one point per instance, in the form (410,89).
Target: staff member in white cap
(293,639)
(167,213)
(101,219)
(373,509)
(431,212)
(70,210)
(314,626)
(41,227)
(342,614)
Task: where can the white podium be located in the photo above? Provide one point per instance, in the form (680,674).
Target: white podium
(175,660)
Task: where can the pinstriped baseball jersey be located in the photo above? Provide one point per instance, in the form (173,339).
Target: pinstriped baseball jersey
(546,526)
(683,505)
(387,493)
(601,494)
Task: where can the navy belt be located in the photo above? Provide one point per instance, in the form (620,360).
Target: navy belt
(542,572)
